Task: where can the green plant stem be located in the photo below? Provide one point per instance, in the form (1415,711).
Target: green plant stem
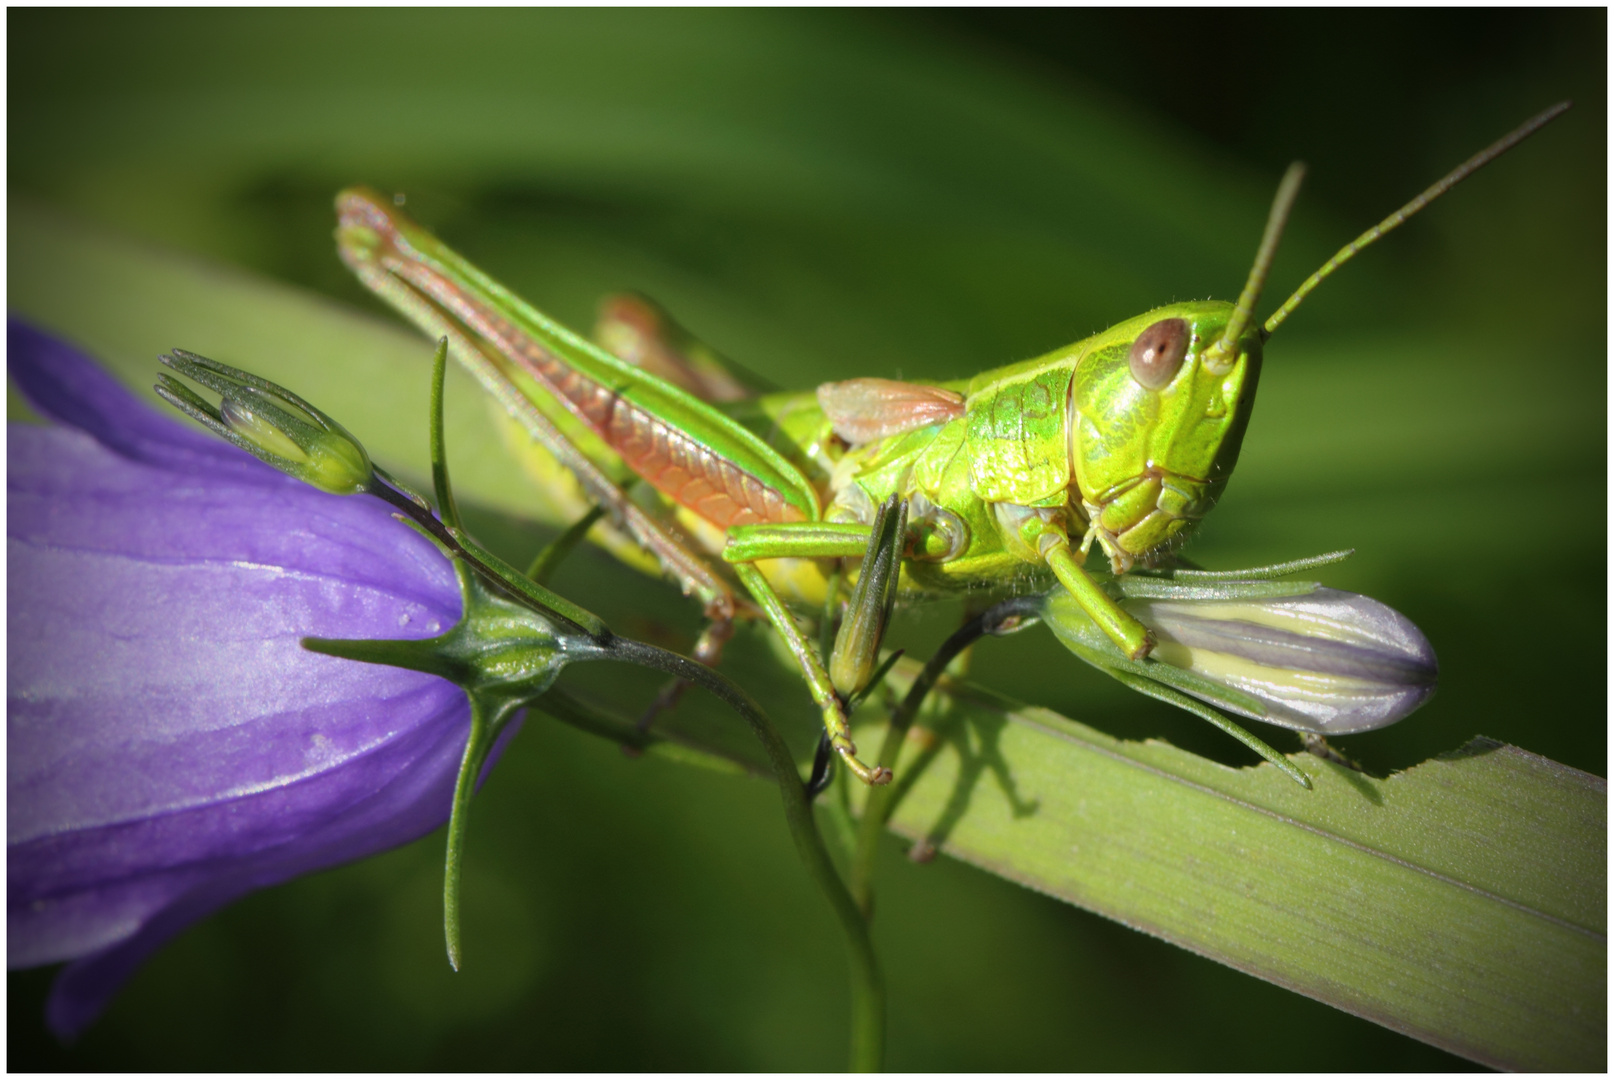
(999,618)
(544,563)
(499,574)
(868,987)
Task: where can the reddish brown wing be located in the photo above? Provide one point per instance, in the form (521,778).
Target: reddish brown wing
(863,410)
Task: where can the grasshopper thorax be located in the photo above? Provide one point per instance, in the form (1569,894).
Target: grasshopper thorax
(1129,435)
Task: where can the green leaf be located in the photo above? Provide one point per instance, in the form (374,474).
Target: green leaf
(1462,901)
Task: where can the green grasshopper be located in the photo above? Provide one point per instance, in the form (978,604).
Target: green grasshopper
(1121,442)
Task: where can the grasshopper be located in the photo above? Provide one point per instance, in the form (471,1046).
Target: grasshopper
(1116,445)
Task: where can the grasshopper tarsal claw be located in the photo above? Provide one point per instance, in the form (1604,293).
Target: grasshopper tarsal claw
(874,777)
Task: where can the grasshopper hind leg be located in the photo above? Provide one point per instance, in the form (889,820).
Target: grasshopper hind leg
(708,650)
(640,332)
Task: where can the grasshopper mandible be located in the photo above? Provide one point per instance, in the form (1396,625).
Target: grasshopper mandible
(1122,441)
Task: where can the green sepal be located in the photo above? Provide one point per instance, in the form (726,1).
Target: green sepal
(503,655)
(498,648)
(488,719)
(1132,588)
(1148,687)
(1271,570)
(1255,583)
(520,585)
(580,618)
(447,509)
(1081,635)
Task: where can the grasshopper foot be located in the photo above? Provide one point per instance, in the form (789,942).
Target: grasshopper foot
(873,776)
(923,851)
(1318,746)
(1145,647)
(841,741)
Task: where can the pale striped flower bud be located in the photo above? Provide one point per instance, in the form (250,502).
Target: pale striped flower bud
(1310,658)
(1329,661)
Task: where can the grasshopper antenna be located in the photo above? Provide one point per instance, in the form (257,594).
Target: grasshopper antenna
(1219,357)
(1439,188)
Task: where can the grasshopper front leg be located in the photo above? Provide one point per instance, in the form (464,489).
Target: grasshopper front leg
(812,669)
(1041,534)
(1127,632)
(816,540)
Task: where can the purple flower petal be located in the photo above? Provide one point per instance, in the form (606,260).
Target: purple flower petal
(64,385)
(171,746)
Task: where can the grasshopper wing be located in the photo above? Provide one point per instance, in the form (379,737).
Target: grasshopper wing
(865,410)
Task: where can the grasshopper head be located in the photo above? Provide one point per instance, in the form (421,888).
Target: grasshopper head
(1158,417)
(1159,409)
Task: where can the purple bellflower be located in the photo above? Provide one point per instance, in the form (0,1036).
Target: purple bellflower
(171,745)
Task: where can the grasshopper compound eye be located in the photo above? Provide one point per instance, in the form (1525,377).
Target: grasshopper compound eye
(1158,352)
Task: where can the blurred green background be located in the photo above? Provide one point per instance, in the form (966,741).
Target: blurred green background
(831,194)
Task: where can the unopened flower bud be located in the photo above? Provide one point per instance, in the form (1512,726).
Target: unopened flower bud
(247,420)
(326,457)
(1322,660)
(1330,661)
(271,423)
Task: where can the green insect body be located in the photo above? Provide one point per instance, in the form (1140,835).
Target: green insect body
(1072,439)
(1123,441)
